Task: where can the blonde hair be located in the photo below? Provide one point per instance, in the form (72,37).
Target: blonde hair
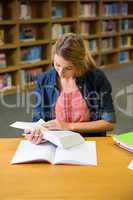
(72,48)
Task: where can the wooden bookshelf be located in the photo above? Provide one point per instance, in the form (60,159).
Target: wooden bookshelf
(106,25)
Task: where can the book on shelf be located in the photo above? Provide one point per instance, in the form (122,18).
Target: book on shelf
(104,60)
(59,29)
(124,140)
(2,60)
(85,28)
(2,34)
(124,9)
(125,25)
(27,34)
(59,147)
(1,11)
(25,10)
(30,75)
(107,44)
(57,11)
(88,10)
(31,54)
(92,45)
(124,57)
(126,41)
(5,81)
(111,9)
(109,26)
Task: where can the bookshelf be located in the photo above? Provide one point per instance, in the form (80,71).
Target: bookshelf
(30,27)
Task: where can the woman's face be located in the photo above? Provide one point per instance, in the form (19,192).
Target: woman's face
(64,68)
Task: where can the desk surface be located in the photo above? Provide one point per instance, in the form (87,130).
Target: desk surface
(110,180)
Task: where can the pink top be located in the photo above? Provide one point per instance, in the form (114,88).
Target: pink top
(71,107)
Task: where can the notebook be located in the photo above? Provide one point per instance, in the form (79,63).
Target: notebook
(124,140)
(63,139)
(82,154)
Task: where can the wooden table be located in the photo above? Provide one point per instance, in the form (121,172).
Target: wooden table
(110,180)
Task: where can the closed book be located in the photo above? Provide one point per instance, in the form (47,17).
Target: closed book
(124,140)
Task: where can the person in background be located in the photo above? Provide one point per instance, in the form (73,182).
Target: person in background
(73,94)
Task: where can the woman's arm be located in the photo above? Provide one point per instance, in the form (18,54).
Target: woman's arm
(93,126)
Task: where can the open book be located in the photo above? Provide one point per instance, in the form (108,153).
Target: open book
(83,154)
(64,139)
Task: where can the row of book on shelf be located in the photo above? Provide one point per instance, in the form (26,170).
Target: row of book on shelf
(109,43)
(115,9)
(88,28)
(58,9)
(28,55)
(27,32)
(90,9)
(34,54)
(31,75)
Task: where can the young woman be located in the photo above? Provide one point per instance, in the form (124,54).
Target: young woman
(74,94)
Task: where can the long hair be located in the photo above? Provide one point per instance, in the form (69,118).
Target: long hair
(72,48)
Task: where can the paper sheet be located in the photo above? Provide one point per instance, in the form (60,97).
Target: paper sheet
(130,166)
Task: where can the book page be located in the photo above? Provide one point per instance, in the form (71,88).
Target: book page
(63,139)
(83,154)
(28,152)
(130,166)
(28,125)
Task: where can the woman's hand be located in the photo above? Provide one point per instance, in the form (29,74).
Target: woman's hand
(34,135)
(56,125)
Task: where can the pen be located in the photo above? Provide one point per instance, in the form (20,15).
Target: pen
(24,134)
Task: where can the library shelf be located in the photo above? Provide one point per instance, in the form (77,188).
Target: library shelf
(32,25)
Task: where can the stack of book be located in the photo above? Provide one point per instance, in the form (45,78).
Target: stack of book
(124,141)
